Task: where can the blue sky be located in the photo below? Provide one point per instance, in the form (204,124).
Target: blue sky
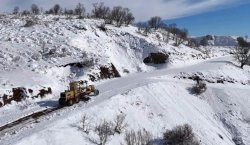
(229,21)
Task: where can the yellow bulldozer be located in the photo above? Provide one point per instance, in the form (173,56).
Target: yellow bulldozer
(78,90)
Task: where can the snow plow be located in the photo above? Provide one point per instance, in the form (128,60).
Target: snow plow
(78,90)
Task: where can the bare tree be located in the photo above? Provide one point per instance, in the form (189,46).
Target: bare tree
(104,130)
(80,10)
(108,19)
(57,9)
(118,13)
(120,123)
(68,12)
(141,137)
(242,52)
(166,33)
(35,9)
(85,125)
(181,36)
(154,22)
(100,11)
(50,11)
(130,138)
(146,30)
(129,18)
(16,10)
(25,13)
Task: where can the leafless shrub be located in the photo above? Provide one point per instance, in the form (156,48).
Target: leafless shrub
(80,27)
(238,140)
(25,13)
(180,135)
(129,18)
(104,130)
(80,10)
(130,138)
(31,22)
(85,124)
(242,52)
(154,22)
(102,27)
(57,9)
(141,137)
(146,31)
(120,123)
(121,15)
(35,9)
(100,11)
(199,88)
(69,13)
(118,13)
(16,10)
(181,36)
(108,19)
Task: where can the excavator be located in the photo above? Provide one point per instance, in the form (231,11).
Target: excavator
(77,91)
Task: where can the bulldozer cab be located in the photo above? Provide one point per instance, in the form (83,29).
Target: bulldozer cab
(78,85)
(74,86)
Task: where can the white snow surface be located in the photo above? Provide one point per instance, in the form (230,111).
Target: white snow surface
(151,97)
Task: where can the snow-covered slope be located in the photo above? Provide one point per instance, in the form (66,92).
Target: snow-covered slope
(155,102)
(155,98)
(38,56)
(217,116)
(41,51)
(154,107)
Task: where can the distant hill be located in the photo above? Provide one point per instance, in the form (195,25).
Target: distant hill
(213,40)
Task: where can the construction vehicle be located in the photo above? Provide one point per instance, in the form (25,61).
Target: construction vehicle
(78,90)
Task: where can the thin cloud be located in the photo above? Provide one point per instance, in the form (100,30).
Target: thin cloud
(142,9)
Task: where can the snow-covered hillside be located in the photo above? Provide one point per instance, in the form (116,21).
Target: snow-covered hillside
(41,51)
(58,50)
(155,101)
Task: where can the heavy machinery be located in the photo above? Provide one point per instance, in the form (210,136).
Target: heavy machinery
(78,90)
